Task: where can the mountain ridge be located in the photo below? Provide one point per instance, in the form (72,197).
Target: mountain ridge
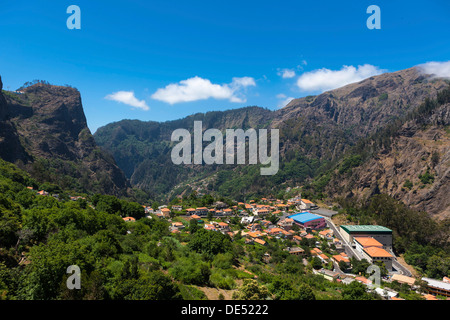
(315,131)
(52,140)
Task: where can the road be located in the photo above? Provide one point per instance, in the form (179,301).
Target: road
(347,247)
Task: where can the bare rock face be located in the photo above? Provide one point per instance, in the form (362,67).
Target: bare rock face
(420,147)
(51,125)
(338,118)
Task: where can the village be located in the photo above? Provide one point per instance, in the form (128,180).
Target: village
(307,231)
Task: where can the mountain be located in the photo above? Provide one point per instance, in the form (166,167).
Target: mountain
(43,130)
(142,149)
(315,133)
(408,159)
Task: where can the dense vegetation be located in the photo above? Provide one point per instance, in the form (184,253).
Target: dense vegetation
(42,236)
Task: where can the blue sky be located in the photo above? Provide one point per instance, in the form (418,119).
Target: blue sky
(168,59)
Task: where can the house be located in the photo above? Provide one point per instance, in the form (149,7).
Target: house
(297,239)
(210,227)
(261,212)
(247,220)
(363,280)
(129,219)
(280,232)
(260,241)
(249,241)
(265,223)
(42,193)
(222,226)
(286,223)
(403,279)
(429,297)
(177,208)
(254,227)
(326,234)
(148,209)
(190,211)
(338,258)
(165,212)
(328,274)
(202,211)
(347,280)
(323,257)
(177,225)
(254,235)
(227,212)
(436,287)
(386,292)
(196,217)
(305,204)
(297,251)
(77,198)
(396,298)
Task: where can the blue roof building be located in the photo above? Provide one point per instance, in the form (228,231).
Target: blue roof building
(309,220)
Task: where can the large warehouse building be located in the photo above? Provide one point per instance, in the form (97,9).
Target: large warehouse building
(379,233)
(309,220)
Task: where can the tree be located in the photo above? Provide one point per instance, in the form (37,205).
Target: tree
(343,265)
(210,242)
(193,226)
(355,291)
(251,290)
(316,263)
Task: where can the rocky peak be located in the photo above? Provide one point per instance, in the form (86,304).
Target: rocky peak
(51,123)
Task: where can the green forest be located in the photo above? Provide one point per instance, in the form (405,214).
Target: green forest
(41,236)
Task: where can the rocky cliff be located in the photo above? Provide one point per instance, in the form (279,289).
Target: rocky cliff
(44,131)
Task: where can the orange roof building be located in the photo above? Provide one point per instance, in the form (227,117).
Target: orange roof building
(368,242)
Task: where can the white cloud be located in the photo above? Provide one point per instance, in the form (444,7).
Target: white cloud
(326,79)
(286,73)
(127,97)
(437,69)
(197,88)
(285,100)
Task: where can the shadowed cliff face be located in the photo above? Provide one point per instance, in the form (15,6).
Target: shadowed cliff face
(10,147)
(52,127)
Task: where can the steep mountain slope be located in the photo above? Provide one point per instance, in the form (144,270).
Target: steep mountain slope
(326,125)
(10,146)
(315,132)
(48,136)
(142,149)
(409,160)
